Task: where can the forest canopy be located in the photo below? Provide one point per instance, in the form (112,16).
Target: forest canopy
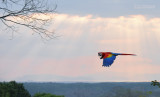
(13,89)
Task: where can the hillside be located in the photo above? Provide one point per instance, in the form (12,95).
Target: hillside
(105,89)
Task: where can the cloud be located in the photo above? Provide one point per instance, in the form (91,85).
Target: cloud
(120,32)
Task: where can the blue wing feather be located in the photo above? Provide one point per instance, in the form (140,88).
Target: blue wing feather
(108,61)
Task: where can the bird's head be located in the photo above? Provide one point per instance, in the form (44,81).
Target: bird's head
(100,55)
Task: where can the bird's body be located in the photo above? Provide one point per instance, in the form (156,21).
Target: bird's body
(109,57)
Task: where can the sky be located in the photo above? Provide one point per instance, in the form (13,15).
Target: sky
(87,27)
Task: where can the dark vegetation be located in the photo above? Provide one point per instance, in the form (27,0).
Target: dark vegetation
(45,95)
(155,83)
(105,89)
(14,89)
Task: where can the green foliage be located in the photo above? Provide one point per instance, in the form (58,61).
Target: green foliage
(146,94)
(126,92)
(149,92)
(106,89)
(13,89)
(155,83)
(45,95)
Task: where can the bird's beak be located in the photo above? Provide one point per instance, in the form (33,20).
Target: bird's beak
(100,55)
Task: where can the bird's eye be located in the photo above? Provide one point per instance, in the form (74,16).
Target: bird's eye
(99,54)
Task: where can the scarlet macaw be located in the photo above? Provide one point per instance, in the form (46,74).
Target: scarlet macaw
(109,57)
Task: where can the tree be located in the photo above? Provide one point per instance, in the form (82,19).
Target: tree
(13,89)
(155,83)
(45,95)
(32,14)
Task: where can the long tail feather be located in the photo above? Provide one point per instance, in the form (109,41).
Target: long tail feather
(123,54)
(127,54)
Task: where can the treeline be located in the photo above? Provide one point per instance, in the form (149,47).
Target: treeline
(106,89)
(14,89)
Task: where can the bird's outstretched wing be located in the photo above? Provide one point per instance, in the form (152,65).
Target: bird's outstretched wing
(109,60)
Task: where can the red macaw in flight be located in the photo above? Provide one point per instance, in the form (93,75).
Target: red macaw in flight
(109,57)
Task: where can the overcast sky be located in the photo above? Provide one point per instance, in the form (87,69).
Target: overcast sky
(87,27)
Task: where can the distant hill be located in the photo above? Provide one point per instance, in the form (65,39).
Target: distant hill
(105,89)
